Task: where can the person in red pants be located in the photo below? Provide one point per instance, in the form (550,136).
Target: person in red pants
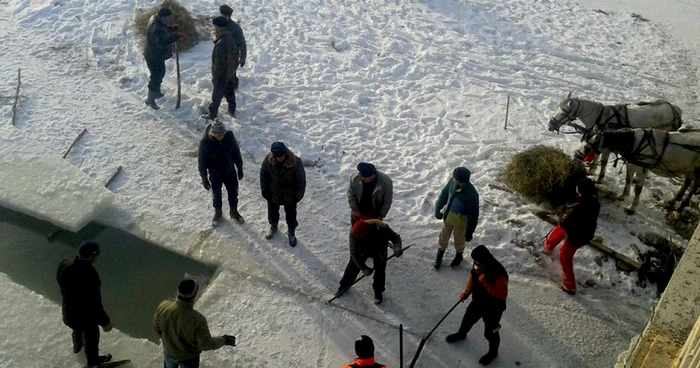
(577,225)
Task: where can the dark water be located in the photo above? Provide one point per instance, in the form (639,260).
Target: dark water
(136,275)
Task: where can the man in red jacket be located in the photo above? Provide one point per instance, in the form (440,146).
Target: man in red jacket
(364,348)
(577,225)
(488,286)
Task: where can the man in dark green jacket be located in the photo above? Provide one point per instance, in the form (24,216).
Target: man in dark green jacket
(237,34)
(224,62)
(370,193)
(458,207)
(283,183)
(160,36)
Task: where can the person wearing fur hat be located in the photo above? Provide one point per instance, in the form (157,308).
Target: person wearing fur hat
(576,228)
(488,287)
(220,164)
(82,302)
(237,34)
(283,183)
(370,193)
(364,348)
(458,208)
(370,238)
(160,36)
(184,331)
(224,63)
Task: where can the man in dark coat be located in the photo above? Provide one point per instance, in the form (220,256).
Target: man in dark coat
(82,302)
(577,225)
(160,36)
(220,158)
(224,62)
(370,239)
(458,208)
(370,193)
(488,286)
(283,183)
(237,34)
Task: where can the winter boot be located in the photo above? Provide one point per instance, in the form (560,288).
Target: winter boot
(159,94)
(151,100)
(457,260)
(77,342)
(232,110)
(488,358)
(270,233)
(378,298)
(99,360)
(292,238)
(455,337)
(438,259)
(236,216)
(217,217)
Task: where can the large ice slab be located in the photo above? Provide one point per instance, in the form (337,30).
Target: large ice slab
(41,184)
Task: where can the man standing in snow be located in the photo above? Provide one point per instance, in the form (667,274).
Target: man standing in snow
(224,63)
(283,183)
(237,34)
(488,286)
(370,238)
(458,208)
(576,228)
(82,302)
(364,348)
(160,37)
(220,158)
(183,330)
(370,193)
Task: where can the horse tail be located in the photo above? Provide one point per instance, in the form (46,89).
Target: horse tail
(677,117)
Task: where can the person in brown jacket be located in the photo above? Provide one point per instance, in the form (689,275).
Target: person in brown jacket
(370,193)
(224,63)
(183,330)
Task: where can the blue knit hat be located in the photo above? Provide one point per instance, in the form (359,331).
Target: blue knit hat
(88,250)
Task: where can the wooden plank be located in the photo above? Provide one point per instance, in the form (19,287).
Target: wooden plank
(74,142)
(119,169)
(14,105)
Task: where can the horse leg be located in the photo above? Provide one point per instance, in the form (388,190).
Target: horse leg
(640,177)
(603,161)
(695,178)
(671,203)
(628,181)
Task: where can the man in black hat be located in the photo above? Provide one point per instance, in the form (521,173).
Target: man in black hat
(224,59)
(370,193)
(283,183)
(237,34)
(488,286)
(160,35)
(219,162)
(183,330)
(82,302)
(458,208)
(364,348)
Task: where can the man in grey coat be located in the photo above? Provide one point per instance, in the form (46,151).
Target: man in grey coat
(224,62)
(160,36)
(370,193)
(237,34)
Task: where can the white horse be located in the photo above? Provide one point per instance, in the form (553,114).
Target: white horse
(674,154)
(597,117)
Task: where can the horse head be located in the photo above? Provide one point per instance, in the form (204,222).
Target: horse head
(566,112)
(618,140)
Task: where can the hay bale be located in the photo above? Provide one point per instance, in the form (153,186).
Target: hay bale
(194,27)
(545,174)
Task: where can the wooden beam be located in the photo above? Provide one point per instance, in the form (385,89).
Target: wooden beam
(14,105)
(74,142)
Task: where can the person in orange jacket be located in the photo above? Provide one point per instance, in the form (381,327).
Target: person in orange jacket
(488,286)
(364,348)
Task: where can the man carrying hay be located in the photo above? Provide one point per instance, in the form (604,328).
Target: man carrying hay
(577,225)
(458,208)
(160,36)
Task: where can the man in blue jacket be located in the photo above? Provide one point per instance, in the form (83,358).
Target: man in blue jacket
(237,34)
(458,208)
(160,36)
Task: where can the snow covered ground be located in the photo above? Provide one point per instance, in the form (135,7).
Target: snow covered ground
(417,87)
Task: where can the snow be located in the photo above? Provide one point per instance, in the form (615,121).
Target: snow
(417,87)
(41,184)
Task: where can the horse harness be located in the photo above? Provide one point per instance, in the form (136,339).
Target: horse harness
(648,140)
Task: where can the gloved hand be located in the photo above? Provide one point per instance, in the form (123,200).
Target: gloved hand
(229,340)
(463,296)
(175,27)
(398,252)
(108,327)
(205,184)
(241,63)
(367,271)
(468,237)
(240,174)
(438,214)
(180,36)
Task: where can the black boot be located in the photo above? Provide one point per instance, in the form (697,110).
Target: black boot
(232,110)
(455,337)
(438,259)
(151,100)
(77,342)
(457,260)
(159,94)
(99,360)
(488,358)
(292,238)
(378,298)
(270,233)
(236,216)
(217,217)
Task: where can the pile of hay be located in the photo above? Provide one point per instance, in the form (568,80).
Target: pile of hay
(545,174)
(685,223)
(195,27)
